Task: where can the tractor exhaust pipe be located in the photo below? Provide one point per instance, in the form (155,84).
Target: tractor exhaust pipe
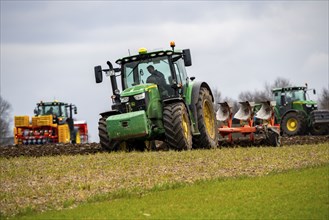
(113,79)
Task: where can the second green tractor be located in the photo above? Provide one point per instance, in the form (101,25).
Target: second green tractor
(297,114)
(177,111)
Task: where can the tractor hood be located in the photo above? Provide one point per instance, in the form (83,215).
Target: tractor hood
(307,102)
(138,89)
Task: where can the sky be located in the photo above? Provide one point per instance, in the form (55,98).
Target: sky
(49,48)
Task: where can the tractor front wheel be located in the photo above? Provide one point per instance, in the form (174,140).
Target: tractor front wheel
(320,130)
(208,137)
(177,126)
(105,140)
(293,124)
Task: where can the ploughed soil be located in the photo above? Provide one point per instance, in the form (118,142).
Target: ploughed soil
(92,148)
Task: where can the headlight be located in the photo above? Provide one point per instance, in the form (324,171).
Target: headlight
(308,105)
(124,99)
(139,96)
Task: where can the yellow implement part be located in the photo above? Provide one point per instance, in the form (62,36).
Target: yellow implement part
(22,121)
(43,120)
(77,138)
(63,133)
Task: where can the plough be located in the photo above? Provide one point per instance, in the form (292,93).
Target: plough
(250,123)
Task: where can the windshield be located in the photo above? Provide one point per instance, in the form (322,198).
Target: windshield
(58,110)
(296,95)
(140,72)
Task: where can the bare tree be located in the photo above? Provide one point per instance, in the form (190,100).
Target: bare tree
(266,94)
(5,120)
(281,82)
(217,98)
(324,99)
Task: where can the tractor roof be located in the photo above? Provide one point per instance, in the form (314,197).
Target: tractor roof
(289,88)
(144,54)
(51,103)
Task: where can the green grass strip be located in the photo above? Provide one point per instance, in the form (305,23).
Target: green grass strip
(295,194)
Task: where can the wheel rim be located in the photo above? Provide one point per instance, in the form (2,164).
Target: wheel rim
(292,124)
(209,118)
(185,126)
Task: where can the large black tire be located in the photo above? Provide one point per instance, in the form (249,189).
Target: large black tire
(208,137)
(177,126)
(104,139)
(294,123)
(320,130)
(274,139)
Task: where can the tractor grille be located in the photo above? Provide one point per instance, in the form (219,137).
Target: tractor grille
(309,109)
(132,105)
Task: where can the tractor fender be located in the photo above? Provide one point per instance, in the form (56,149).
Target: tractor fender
(172,100)
(196,90)
(194,99)
(292,110)
(109,113)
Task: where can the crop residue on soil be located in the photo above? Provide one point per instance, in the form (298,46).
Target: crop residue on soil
(92,148)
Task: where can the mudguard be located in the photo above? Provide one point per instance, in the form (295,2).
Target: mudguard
(109,113)
(194,99)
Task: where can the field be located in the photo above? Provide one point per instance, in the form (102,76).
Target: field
(39,183)
(295,194)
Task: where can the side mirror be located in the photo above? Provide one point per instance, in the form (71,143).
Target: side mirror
(98,74)
(314,92)
(187,57)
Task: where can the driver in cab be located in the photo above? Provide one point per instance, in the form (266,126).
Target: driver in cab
(156,76)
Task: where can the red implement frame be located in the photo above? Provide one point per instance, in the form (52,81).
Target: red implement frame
(246,116)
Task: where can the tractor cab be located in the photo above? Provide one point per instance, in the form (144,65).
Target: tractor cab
(162,68)
(166,69)
(290,94)
(59,110)
(51,108)
(294,98)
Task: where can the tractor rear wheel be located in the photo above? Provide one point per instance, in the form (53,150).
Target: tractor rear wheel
(208,137)
(293,123)
(105,140)
(177,126)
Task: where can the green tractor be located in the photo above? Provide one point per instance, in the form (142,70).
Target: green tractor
(297,114)
(158,102)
